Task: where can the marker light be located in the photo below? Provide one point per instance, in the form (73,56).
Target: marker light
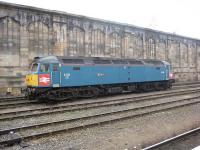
(171,75)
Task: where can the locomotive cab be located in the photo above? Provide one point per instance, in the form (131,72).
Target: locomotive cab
(41,74)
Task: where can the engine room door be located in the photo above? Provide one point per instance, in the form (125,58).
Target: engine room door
(55,75)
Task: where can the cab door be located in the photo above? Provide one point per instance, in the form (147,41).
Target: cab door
(55,75)
(44,75)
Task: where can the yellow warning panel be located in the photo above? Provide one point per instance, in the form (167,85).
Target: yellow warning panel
(32,80)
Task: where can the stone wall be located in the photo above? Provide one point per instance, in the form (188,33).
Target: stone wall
(26,32)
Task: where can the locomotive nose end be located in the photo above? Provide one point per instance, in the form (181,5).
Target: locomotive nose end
(31,80)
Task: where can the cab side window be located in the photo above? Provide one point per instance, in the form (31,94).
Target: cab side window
(34,67)
(55,67)
(44,68)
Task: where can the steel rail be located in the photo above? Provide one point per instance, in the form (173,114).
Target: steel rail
(172,139)
(17,104)
(11,98)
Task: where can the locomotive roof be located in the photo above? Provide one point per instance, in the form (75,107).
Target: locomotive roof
(96,60)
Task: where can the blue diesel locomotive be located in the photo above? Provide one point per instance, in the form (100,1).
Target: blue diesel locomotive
(59,78)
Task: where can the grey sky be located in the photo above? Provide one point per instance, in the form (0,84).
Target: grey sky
(175,16)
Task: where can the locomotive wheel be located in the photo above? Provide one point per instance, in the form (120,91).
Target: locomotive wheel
(169,85)
(88,92)
(59,95)
(157,87)
(29,94)
(141,88)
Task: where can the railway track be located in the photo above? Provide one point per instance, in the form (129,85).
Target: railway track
(6,105)
(21,102)
(74,124)
(185,86)
(176,138)
(186,83)
(89,104)
(11,98)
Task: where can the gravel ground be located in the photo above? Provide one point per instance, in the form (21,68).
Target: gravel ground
(125,135)
(75,114)
(128,134)
(82,122)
